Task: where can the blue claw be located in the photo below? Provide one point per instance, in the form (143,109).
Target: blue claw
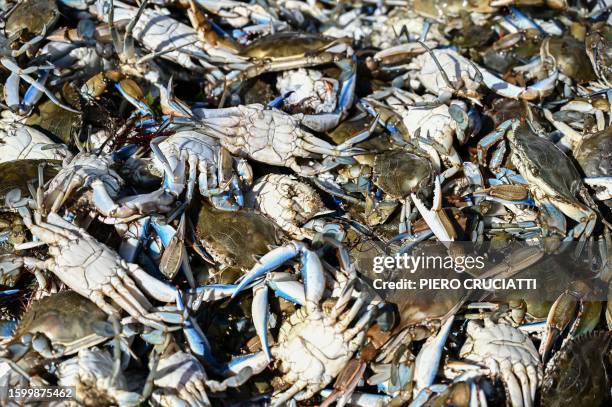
(279,100)
(312,273)
(268,262)
(125,152)
(284,287)
(260,311)
(7,293)
(256,361)
(33,94)
(311,270)
(165,232)
(291,290)
(142,107)
(521,21)
(196,339)
(348,79)
(213,292)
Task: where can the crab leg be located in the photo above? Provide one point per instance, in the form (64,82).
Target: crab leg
(360,399)
(24,74)
(435,217)
(561,314)
(128,39)
(490,139)
(424,395)
(315,145)
(143,108)
(256,361)
(152,286)
(260,316)
(198,343)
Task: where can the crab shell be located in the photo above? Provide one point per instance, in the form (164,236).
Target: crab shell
(549,172)
(18,142)
(287,201)
(233,238)
(576,374)
(66,318)
(91,374)
(399,173)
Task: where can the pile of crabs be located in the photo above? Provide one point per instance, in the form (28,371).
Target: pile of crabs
(192,193)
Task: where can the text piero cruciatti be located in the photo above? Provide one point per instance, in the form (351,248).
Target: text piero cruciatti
(459,264)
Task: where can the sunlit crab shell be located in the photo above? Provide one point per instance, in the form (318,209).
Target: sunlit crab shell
(549,166)
(32,15)
(286,200)
(90,373)
(594,154)
(233,238)
(399,173)
(308,90)
(65,318)
(19,141)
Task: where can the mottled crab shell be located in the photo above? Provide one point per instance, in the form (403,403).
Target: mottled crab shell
(539,159)
(570,57)
(233,238)
(399,173)
(576,375)
(33,16)
(595,154)
(65,318)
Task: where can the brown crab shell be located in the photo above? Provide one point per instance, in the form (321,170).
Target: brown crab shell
(576,375)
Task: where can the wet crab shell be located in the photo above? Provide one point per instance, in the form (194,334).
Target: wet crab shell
(399,173)
(233,238)
(576,375)
(66,318)
(570,57)
(33,16)
(556,174)
(286,44)
(595,154)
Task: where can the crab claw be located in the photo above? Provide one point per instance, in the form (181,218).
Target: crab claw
(285,287)
(8,293)
(565,308)
(428,359)
(256,361)
(435,217)
(260,316)
(312,269)
(538,90)
(198,343)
